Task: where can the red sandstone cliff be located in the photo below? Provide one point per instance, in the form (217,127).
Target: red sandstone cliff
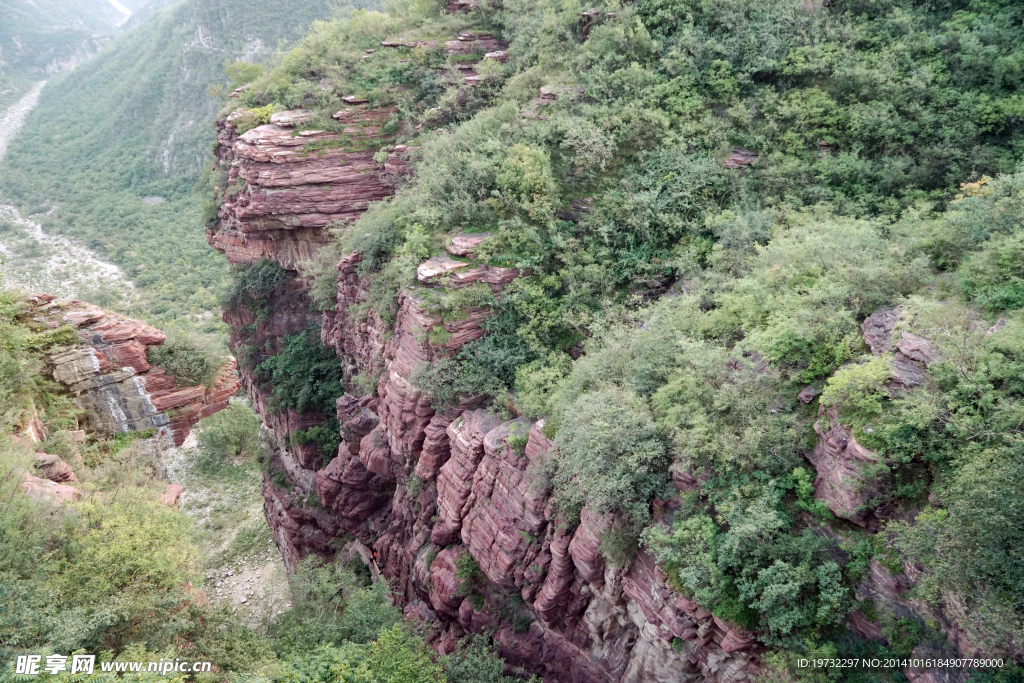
(421,488)
(110,379)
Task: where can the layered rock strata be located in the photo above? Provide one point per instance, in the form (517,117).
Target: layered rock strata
(286,182)
(422,487)
(109,377)
(419,485)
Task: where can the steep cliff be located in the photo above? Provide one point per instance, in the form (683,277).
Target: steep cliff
(421,486)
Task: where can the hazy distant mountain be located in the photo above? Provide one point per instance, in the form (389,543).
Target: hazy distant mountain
(41,38)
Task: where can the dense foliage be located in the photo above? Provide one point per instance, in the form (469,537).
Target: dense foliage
(783,169)
(306,376)
(186,358)
(231,433)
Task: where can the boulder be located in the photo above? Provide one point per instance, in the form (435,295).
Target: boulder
(839,460)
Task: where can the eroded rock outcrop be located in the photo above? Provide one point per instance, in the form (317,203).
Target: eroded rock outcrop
(425,488)
(108,375)
(286,182)
(845,482)
(840,462)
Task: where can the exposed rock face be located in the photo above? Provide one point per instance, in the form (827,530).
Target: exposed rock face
(464,243)
(286,185)
(422,487)
(53,468)
(877,330)
(909,351)
(40,488)
(360,338)
(111,380)
(839,460)
(740,158)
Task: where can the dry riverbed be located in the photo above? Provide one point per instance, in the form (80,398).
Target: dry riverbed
(242,565)
(32,260)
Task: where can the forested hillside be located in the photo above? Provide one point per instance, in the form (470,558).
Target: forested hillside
(758,269)
(41,38)
(113,149)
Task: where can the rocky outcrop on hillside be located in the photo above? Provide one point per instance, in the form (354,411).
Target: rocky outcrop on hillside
(109,376)
(839,461)
(845,485)
(286,182)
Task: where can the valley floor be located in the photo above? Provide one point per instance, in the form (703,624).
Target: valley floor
(242,566)
(35,261)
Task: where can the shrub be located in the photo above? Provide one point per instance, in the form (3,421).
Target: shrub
(188,360)
(501,351)
(752,571)
(858,391)
(253,286)
(467,571)
(994,277)
(253,118)
(331,605)
(721,411)
(394,657)
(457,304)
(445,379)
(232,432)
(326,436)
(474,661)
(305,376)
(240,72)
(611,457)
(982,519)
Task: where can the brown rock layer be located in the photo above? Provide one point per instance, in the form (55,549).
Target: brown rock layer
(839,460)
(109,377)
(285,186)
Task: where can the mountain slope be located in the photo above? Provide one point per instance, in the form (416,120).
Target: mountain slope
(115,146)
(677,355)
(43,38)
